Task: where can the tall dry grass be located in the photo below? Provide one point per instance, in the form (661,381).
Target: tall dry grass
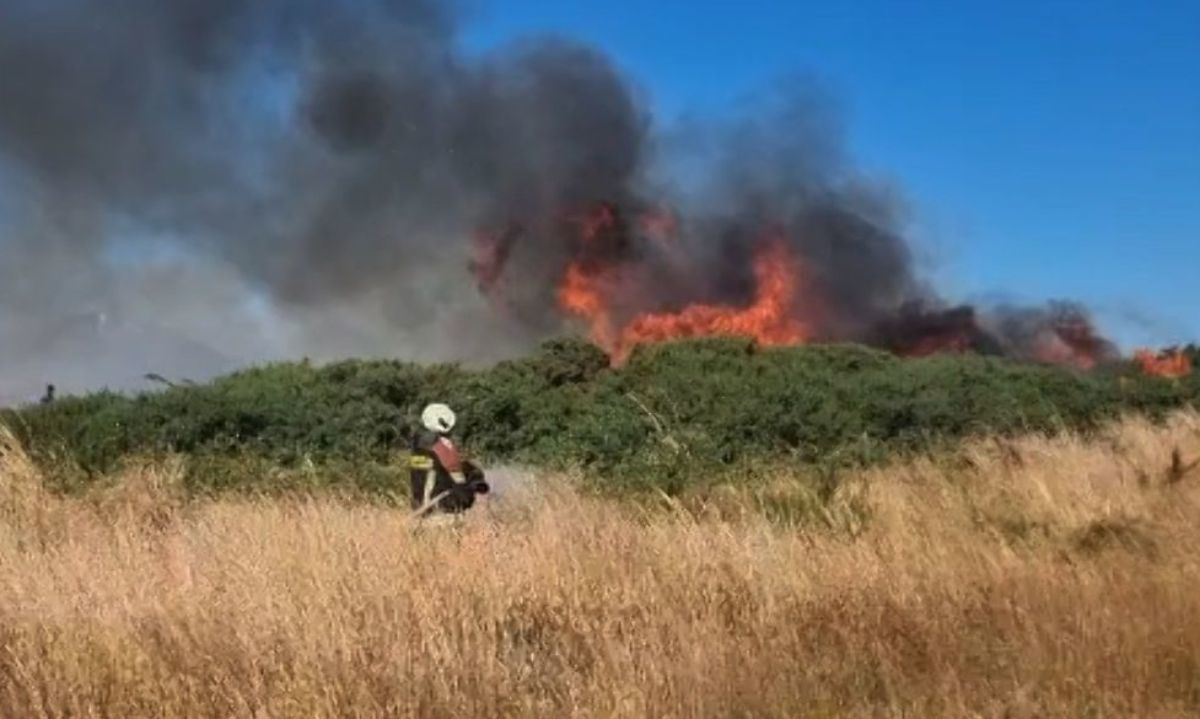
(1039,577)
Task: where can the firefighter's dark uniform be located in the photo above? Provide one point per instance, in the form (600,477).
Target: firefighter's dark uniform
(436,469)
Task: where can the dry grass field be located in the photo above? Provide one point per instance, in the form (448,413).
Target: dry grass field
(1027,578)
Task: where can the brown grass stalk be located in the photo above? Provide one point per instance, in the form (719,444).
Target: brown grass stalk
(1024,578)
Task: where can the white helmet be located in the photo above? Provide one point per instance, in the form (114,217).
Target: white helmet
(438,418)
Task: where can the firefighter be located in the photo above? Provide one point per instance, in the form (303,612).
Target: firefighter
(441,480)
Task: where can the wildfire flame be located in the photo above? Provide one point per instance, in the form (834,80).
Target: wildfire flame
(582,294)
(1171,363)
(591,289)
(643,274)
(769,319)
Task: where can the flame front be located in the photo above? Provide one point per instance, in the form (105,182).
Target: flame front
(769,320)
(635,272)
(582,294)
(590,289)
(1171,363)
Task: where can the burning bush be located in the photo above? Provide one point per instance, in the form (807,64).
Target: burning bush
(826,275)
(1171,363)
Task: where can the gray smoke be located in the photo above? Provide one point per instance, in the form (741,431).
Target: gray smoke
(784,166)
(777,171)
(191,185)
(309,172)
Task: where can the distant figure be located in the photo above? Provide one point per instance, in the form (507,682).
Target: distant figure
(49,396)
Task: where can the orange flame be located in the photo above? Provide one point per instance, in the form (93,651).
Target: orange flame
(624,269)
(769,319)
(588,282)
(582,294)
(1172,363)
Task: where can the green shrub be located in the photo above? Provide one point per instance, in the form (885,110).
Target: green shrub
(673,412)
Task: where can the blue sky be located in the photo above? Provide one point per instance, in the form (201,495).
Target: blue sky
(1049,149)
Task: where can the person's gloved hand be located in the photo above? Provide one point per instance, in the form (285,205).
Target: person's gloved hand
(475,479)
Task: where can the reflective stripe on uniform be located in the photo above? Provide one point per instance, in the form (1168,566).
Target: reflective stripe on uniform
(430,481)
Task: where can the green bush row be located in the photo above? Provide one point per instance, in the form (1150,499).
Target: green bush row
(672,411)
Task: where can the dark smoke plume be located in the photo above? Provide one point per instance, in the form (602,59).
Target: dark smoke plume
(189,185)
(776,171)
(324,160)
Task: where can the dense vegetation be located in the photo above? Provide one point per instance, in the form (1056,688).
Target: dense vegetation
(673,409)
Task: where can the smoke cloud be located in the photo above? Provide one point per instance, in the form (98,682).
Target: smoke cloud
(191,185)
